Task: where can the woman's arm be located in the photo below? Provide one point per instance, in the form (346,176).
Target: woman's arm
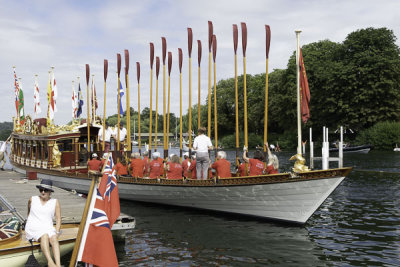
(58,217)
(269,151)
(245,158)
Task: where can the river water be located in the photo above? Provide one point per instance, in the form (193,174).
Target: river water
(358,225)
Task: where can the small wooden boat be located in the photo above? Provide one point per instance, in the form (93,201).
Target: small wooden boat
(15,251)
(353,149)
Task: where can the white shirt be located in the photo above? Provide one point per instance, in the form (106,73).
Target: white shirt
(122,134)
(108,133)
(202,143)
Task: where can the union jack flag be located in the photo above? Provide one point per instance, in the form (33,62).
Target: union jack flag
(8,230)
(99,216)
(108,168)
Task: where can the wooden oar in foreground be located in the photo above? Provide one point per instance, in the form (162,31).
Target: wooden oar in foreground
(267,44)
(210,34)
(180,101)
(214,49)
(164,54)
(128,106)
(88,109)
(156,118)
(198,93)
(151,96)
(138,93)
(235,45)
(119,98)
(244,45)
(190,43)
(104,110)
(169,94)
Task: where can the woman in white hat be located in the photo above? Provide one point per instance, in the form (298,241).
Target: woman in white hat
(39,225)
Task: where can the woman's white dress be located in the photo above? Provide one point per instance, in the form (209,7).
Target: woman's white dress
(40,219)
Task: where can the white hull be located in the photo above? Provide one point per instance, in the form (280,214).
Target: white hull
(287,201)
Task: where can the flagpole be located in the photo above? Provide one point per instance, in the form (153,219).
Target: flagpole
(104,110)
(244,44)
(190,43)
(235,45)
(164,54)
(156,119)
(210,34)
(82,224)
(180,101)
(128,106)
(138,80)
(119,98)
(298,93)
(151,96)
(88,110)
(169,93)
(198,93)
(267,44)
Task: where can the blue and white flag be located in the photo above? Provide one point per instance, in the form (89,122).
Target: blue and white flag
(80,102)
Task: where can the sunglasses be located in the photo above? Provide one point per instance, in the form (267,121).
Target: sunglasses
(44,190)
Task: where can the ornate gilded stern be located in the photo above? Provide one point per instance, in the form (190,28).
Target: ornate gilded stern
(299,165)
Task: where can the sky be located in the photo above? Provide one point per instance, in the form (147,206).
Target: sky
(66,35)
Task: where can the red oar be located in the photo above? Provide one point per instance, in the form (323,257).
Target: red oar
(128,106)
(198,93)
(180,101)
(169,93)
(267,44)
(190,43)
(156,119)
(119,99)
(104,109)
(138,81)
(235,46)
(244,45)
(88,110)
(164,54)
(210,34)
(151,97)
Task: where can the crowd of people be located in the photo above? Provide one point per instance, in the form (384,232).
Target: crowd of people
(195,166)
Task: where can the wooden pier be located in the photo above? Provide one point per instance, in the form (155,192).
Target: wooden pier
(17,190)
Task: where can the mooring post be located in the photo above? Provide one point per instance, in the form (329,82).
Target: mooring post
(341,148)
(311,151)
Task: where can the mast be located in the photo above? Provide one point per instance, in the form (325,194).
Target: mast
(298,92)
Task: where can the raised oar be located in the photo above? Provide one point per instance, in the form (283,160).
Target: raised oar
(164,54)
(267,44)
(169,93)
(235,45)
(128,106)
(214,49)
(156,121)
(138,95)
(210,34)
(151,95)
(244,45)
(88,109)
(180,101)
(119,97)
(104,110)
(198,96)
(190,43)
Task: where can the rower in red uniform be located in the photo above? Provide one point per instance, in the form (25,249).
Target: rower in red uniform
(222,166)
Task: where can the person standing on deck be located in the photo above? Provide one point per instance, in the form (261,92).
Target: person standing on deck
(222,166)
(3,149)
(94,164)
(256,164)
(39,225)
(122,135)
(107,137)
(201,145)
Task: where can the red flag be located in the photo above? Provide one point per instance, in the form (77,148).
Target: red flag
(99,247)
(304,91)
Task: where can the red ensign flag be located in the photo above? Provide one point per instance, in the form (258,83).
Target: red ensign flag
(304,91)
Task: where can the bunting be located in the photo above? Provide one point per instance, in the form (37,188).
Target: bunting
(304,91)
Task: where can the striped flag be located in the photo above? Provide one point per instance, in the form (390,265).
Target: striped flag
(36,98)
(304,91)
(21,111)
